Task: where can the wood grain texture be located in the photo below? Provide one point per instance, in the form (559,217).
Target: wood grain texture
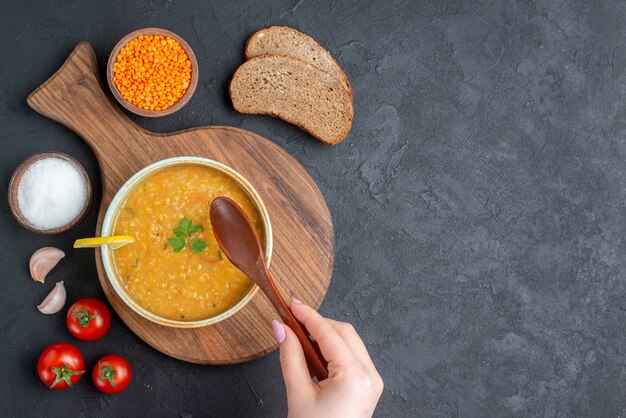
(303,256)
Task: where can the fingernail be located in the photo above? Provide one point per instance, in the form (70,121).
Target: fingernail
(296,301)
(279,331)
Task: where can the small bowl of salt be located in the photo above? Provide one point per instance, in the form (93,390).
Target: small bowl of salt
(49,193)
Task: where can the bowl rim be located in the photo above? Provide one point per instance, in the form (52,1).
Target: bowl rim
(111,216)
(16,179)
(193,84)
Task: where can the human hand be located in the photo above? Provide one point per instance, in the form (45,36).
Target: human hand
(353,386)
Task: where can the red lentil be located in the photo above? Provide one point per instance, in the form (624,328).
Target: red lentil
(152,72)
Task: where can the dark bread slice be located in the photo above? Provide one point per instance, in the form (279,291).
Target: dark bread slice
(289,42)
(295,92)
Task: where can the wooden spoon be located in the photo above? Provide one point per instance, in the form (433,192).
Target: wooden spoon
(238,240)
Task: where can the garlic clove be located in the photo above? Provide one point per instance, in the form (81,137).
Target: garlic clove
(55,300)
(44,260)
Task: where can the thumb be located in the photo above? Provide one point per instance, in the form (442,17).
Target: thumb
(295,372)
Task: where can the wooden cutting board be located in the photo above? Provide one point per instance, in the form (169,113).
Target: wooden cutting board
(302,261)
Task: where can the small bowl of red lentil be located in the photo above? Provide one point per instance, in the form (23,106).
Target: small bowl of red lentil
(152,72)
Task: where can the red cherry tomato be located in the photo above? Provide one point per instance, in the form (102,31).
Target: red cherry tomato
(88,319)
(60,366)
(112,374)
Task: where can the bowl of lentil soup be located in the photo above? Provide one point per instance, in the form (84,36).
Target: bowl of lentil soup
(152,72)
(161,277)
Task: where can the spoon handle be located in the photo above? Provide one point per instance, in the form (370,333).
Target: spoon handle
(318,366)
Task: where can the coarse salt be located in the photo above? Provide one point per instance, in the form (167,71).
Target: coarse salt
(51,193)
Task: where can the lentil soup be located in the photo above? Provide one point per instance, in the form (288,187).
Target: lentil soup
(181,285)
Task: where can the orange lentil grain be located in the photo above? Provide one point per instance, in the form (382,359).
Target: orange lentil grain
(149,65)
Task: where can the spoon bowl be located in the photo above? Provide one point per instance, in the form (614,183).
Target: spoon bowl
(237,238)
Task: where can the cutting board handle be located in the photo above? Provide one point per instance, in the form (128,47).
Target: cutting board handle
(75,97)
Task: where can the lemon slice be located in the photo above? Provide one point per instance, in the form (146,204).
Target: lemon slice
(113,242)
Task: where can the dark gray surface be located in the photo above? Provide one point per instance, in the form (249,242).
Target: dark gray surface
(478,203)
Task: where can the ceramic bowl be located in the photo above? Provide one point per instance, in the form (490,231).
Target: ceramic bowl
(145,112)
(15,182)
(108,227)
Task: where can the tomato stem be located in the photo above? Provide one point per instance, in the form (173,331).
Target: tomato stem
(83,317)
(64,373)
(107,373)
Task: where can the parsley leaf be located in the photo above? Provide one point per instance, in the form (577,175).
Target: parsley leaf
(177,242)
(184,230)
(186,227)
(197,245)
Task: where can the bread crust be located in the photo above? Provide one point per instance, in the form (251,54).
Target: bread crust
(238,107)
(339,71)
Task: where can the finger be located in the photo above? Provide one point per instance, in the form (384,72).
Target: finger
(333,347)
(292,363)
(355,343)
